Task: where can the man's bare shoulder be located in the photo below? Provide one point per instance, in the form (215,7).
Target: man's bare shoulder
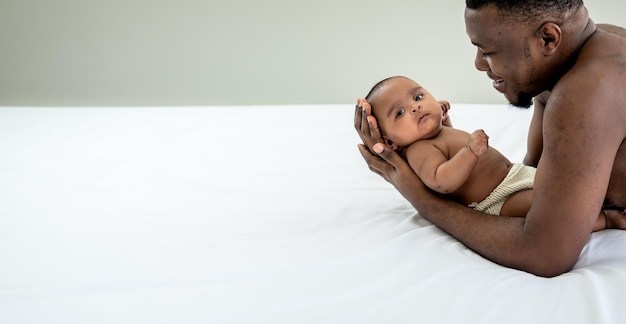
(598,77)
(617,30)
(608,40)
(585,116)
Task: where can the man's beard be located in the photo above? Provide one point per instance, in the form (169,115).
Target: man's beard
(523,100)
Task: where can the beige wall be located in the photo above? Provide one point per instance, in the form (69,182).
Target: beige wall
(193,52)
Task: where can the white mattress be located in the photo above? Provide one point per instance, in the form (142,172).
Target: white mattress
(253,214)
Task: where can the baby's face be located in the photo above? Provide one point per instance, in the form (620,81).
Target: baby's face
(405,112)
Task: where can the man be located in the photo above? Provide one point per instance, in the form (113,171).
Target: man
(553,52)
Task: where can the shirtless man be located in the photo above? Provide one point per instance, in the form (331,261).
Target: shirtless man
(552,52)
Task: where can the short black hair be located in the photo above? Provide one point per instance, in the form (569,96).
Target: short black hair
(528,10)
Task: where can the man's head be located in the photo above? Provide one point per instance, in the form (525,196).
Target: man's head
(527,10)
(405,111)
(521,44)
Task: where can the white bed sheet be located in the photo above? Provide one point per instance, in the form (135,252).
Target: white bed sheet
(252,214)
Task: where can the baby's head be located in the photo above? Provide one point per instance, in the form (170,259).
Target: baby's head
(405,111)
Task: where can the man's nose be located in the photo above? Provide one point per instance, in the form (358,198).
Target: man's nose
(480,62)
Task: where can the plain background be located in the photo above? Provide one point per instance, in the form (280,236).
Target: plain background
(237,52)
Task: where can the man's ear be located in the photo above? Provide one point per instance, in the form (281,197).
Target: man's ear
(389,143)
(551,36)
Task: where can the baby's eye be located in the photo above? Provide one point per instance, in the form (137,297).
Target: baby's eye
(419,97)
(400,112)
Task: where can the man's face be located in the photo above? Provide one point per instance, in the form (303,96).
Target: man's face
(505,52)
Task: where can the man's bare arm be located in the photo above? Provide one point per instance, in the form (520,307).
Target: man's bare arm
(535,132)
(534,142)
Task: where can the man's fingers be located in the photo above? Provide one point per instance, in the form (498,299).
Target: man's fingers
(373,127)
(366,128)
(357,116)
(365,124)
(374,131)
(375,163)
(390,156)
(360,122)
(384,160)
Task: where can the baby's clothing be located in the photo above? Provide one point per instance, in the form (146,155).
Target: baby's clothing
(520,177)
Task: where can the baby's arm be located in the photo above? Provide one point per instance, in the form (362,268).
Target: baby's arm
(439,173)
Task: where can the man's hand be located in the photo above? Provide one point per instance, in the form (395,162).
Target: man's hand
(379,158)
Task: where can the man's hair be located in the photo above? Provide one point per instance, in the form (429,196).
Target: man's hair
(528,10)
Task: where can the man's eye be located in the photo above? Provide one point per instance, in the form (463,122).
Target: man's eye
(419,97)
(400,112)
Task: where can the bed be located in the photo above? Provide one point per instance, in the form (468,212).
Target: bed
(252,214)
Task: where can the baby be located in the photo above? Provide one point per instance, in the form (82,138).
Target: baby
(448,160)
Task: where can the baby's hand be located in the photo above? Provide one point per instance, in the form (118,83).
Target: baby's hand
(478,142)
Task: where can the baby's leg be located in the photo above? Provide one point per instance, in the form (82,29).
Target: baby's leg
(518,204)
(611,219)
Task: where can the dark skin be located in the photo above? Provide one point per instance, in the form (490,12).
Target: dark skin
(615,200)
(579,73)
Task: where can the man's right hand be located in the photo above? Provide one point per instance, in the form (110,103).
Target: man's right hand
(381,159)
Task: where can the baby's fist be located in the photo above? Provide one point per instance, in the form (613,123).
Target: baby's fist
(478,142)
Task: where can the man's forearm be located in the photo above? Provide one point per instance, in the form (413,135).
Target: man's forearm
(500,239)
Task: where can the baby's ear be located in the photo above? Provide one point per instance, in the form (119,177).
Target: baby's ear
(445,106)
(389,143)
